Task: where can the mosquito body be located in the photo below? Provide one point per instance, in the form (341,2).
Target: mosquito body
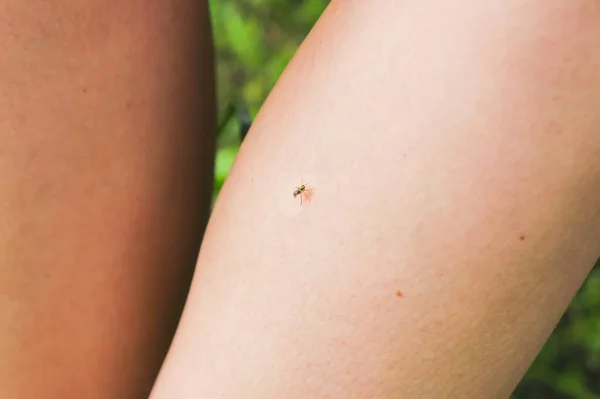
(303,191)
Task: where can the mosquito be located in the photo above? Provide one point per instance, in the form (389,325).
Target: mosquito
(302,191)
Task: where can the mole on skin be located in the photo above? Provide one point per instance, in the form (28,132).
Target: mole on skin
(399,293)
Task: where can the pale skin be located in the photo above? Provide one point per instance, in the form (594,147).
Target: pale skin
(106,154)
(455,151)
(456,154)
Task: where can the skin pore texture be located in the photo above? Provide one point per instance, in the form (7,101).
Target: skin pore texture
(106,154)
(454,152)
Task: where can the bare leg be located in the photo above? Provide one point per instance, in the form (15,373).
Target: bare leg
(106,152)
(456,152)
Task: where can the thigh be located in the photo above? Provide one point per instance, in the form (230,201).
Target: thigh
(454,157)
(106,155)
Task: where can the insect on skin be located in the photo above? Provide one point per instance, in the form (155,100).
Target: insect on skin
(303,191)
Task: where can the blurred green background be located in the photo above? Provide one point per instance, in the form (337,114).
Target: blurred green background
(255,39)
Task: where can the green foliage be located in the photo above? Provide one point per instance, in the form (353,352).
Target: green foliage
(569,364)
(255,39)
(225,158)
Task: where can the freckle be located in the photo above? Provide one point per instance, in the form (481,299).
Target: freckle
(84,90)
(522,238)
(128,105)
(399,293)
(343,343)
